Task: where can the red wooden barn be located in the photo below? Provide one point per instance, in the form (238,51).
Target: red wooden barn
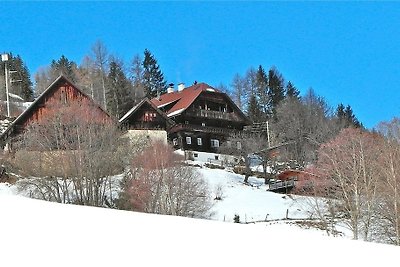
(58,94)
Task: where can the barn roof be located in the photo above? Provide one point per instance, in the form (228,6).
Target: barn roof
(53,86)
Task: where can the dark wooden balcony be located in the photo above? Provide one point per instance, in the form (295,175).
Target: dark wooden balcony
(211,114)
(204,129)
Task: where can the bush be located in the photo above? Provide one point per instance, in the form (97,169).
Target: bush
(160,183)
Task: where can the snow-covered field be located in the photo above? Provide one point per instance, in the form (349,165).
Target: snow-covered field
(38,233)
(251,203)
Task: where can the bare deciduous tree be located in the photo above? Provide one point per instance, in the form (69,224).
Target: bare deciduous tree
(161,184)
(100,59)
(348,160)
(74,152)
(389,169)
(243,145)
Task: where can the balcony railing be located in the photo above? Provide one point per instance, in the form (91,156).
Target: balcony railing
(211,114)
(199,128)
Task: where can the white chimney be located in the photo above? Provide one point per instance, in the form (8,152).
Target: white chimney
(170,88)
(181,86)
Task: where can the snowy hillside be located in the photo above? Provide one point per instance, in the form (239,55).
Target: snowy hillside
(38,233)
(251,203)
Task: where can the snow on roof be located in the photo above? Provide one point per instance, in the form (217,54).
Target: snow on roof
(129,112)
(176,112)
(15,96)
(165,104)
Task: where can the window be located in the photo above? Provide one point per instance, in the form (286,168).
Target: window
(175,141)
(214,143)
(216,157)
(63,97)
(148,116)
(188,140)
(199,141)
(229,144)
(195,155)
(203,124)
(238,145)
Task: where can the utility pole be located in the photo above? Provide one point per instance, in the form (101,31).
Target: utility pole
(4,58)
(269,143)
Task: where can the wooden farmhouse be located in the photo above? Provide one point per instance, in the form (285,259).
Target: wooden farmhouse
(196,118)
(50,103)
(204,117)
(146,119)
(145,116)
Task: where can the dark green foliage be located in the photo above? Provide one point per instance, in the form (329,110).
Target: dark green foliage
(153,78)
(63,67)
(346,117)
(276,89)
(292,91)
(264,99)
(20,80)
(253,110)
(118,91)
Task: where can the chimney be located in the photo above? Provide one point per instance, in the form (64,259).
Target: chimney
(181,86)
(170,88)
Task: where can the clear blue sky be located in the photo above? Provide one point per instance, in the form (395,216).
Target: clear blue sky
(348,52)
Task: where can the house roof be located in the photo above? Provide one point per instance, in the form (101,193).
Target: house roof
(183,99)
(53,86)
(140,104)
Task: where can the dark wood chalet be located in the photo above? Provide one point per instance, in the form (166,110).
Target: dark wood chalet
(146,116)
(204,117)
(59,94)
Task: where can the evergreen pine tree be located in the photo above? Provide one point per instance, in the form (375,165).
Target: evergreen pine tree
(291,91)
(22,84)
(119,97)
(264,99)
(351,118)
(153,78)
(63,67)
(346,117)
(276,88)
(253,109)
(340,114)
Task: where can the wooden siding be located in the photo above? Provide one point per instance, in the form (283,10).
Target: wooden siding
(66,95)
(61,98)
(146,118)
